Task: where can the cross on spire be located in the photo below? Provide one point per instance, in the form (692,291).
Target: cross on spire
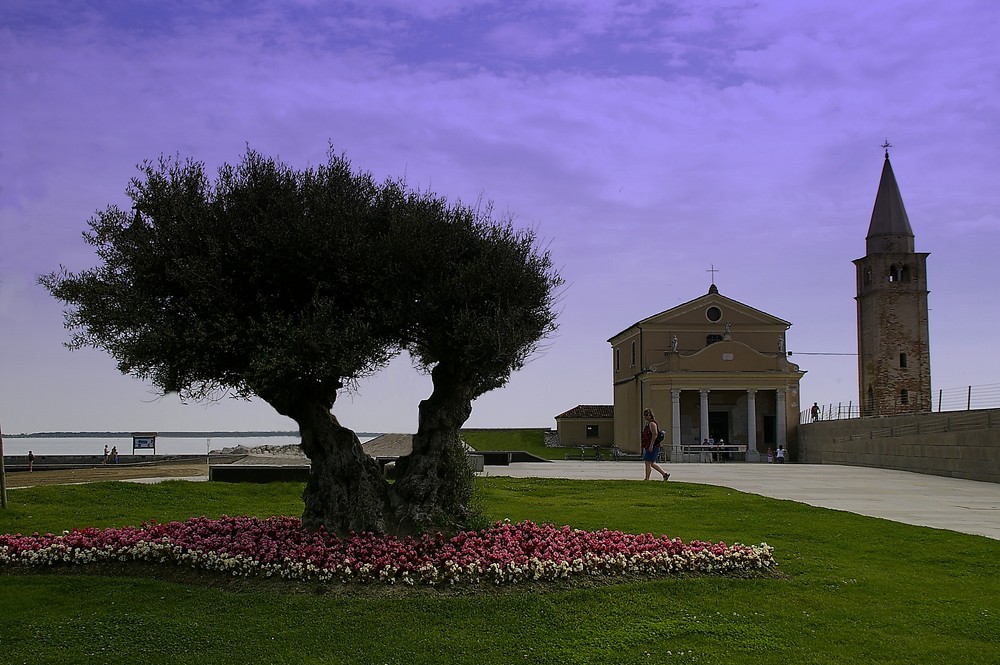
(712,269)
(886,146)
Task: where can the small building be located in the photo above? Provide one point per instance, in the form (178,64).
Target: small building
(587,425)
(710,367)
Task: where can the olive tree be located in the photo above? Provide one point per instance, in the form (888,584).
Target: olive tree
(291,284)
(477,317)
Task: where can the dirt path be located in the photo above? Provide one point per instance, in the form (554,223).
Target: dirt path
(170,469)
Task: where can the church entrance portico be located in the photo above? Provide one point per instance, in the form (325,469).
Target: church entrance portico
(739,417)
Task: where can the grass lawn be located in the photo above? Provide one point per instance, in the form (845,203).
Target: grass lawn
(854,589)
(529,440)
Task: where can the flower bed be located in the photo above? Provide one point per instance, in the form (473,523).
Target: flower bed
(279,547)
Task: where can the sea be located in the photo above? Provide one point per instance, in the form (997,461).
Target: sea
(165,445)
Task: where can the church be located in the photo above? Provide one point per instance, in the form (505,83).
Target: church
(716,367)
(711,367)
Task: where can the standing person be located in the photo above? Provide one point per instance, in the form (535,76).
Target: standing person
(713,453)
(814,411)
(650,429)
(114,455)
(107,454)
(31,460)
(770,455)
(781,455)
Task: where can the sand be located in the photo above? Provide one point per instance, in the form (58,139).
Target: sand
(167,469)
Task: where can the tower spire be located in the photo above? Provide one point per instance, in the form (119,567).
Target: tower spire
(889,230)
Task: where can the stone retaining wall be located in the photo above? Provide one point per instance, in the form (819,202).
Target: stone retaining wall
(959,444)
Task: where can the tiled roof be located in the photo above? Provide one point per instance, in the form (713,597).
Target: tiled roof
(394,445)
(592,411)
(390,445)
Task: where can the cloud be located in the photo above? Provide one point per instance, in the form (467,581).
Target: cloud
(629,133)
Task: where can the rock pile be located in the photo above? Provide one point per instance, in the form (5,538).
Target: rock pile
(291,450)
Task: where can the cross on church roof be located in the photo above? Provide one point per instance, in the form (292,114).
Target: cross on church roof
(712,269)
(886,147)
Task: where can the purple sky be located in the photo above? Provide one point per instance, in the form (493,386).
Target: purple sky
(644,141)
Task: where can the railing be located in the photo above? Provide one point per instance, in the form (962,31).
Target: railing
(969,398)
(966,398)
(838,411)
(960,421)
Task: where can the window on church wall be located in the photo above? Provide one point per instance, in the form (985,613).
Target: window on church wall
(633,354)
(904,396)
(618,359)
(593,431)
(868,276)
(902,360)
(893,273)
(712,339)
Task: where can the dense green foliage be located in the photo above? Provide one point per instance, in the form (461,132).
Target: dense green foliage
(854,589)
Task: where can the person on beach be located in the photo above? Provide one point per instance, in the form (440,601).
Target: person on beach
(114,455)
(31,460)
(107,454)
(650,450)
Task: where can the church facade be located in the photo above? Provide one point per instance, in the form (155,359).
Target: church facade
(712,366)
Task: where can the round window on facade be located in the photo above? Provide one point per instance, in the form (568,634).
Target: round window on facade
(713,314)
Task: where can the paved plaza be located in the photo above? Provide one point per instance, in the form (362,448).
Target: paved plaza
(967,506)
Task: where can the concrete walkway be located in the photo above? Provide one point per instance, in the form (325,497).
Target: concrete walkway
(967,506)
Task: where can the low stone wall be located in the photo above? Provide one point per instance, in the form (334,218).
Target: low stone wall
(258,473)
(959,444)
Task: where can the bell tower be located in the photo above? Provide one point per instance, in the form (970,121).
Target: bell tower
(894,366)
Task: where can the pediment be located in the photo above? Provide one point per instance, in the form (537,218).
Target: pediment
(695,312)
(695,315)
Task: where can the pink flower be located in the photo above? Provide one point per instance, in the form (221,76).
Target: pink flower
(504,553)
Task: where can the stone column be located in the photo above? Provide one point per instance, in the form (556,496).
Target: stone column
(781,426)
(751,421)
(675,425)
(704,414)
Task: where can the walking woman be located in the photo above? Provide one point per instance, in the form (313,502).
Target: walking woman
(650,449)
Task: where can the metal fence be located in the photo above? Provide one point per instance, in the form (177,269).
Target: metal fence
(976,420)
(966,398)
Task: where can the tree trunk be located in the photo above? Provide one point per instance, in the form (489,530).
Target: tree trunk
(434,484)
(345,492)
